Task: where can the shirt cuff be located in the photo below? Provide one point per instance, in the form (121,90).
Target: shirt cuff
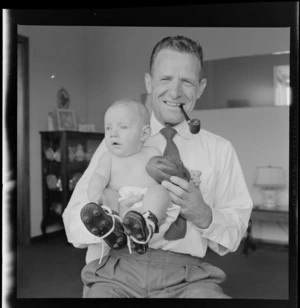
(215,228)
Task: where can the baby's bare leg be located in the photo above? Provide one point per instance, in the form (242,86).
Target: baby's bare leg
(126,204)
(141,227)
(157,199)
(111,199)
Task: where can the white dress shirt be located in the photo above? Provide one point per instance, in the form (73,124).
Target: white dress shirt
(222,185)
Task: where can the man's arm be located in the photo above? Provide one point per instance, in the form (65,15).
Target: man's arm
(193,206)
(76,232)
(224,222)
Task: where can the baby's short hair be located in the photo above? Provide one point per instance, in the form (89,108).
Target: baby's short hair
(141,109)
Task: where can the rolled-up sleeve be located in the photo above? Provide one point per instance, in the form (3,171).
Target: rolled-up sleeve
(75,230)
(232,205)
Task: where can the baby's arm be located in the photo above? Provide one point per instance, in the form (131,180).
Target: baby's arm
(100,179)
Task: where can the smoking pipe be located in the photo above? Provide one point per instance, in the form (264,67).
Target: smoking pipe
(194,124)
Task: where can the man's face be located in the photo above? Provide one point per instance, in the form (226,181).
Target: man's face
(123,130)
(174,81)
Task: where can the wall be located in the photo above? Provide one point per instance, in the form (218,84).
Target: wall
(118,57)
(261,138)
(250,79)
(58,51)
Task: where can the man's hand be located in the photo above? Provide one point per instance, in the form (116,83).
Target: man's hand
(193,207)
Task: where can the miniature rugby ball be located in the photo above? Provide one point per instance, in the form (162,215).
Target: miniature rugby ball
(161,168)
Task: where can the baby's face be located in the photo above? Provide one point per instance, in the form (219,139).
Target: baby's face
(123,130)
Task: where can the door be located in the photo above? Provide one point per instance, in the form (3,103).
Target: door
(23,206)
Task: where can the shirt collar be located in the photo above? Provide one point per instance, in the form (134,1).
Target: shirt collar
(181,128)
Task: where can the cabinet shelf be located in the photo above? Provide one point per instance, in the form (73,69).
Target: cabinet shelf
(61,169)
(77,166)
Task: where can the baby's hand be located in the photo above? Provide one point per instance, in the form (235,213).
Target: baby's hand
(195,177)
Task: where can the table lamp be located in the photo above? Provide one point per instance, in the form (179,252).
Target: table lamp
(270,179)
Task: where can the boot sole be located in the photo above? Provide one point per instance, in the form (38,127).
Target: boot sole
(135,226)
(99,223)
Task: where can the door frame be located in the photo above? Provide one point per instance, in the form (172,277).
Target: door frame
(23,185)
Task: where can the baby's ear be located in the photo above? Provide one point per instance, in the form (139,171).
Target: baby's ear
(145,134)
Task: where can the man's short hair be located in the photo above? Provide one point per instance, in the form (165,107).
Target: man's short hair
(178,43)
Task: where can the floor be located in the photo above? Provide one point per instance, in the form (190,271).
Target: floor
(52,270)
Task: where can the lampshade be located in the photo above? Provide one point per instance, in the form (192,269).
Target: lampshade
(269,177)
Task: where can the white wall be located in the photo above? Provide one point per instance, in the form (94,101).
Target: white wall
(261,138)
(59,51)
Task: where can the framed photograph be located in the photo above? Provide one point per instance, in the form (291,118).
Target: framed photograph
(66,119)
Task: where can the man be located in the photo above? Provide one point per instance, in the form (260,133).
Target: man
(216,214)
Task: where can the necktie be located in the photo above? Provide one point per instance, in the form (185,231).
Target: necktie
(171,148)
(177,229)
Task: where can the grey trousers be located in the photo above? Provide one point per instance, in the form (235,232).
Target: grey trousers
(156,274)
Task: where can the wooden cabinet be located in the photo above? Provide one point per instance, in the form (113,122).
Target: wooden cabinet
(65,156)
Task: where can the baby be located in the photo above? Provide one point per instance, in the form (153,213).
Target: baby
(123,169)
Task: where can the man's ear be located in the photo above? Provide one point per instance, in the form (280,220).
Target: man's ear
(146,133)
(201,87)
(148,80)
